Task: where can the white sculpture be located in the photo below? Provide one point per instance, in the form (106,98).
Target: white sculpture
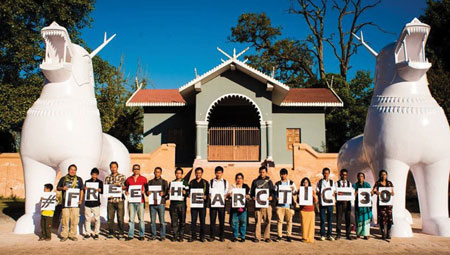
(63,126)
(405,130)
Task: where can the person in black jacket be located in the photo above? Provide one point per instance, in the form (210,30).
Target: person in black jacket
(199,183)
(262,214)
(158,208)
(92,208)
(343,208)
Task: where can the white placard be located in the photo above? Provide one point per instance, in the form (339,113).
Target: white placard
(176,191)
(134,193)
(196,198)
(112,190)
(48,201)
(261,198)
(91,191)
(154,198)
(326,196)
(305,195)
(345,194)
(72,197)
(364,197)
(284,194)
(217,198)
(238,198)
(385,196)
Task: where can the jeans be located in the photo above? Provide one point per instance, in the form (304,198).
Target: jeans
(178,218)
(343,210)
(113,209)
(213,213)
(134,208)
(328,210)
(239,223)
(160,209)
(200,213)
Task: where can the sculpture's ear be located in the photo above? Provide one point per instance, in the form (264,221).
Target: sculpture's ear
(83,73)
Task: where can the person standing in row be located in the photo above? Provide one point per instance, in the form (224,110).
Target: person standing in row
(308,215)
(384,213)
(199,183)
(70,215)
(239,215)
(363,215)
(326,212)
(343,208)
(115,204)
(136,207)
(285,211)
(159,208)
(262,214)
(92,208)
(220,184)
(178,208)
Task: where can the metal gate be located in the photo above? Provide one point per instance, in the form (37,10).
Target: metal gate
(233,143)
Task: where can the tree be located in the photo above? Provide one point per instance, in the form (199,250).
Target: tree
(21,51)
(290,57)
(437,15)
(314,13)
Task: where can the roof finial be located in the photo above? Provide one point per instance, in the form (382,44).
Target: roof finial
(195,71)
(273,72)
(235,56)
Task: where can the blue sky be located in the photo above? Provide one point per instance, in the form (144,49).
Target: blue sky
(170,38)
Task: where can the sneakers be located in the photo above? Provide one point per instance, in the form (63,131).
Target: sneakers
(73,239)
(322,238)
(267,240)
(278,239)
(152,238)
(128,238)
(288,239)
(234,240)
(256,240)
(95,237)
(330,238)
(162,239)
(242,240)
(41,239)
(86,237)
(110,236)
(63,239)
(141,238)
(338,237)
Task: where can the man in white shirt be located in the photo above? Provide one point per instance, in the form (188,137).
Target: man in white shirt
(285,210)
(217,184)
(324,185)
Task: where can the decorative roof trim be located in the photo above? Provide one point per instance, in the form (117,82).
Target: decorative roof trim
(231,95)
(240,64)
(312,104)
(156,104)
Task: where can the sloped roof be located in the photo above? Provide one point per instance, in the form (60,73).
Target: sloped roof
(319,97)
(156,97)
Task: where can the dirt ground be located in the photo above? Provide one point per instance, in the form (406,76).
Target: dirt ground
(28,244)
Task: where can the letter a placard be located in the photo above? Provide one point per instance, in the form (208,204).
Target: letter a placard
(217,198)
(261,198)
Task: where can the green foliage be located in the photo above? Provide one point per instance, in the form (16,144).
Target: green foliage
(291,58)
(437,15)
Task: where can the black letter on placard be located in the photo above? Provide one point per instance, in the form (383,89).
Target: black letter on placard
(72,195)
(114,189)
(238,197)
(366,198)
(306,194)
(155,196)
(218,197)
(258,195)
(177,190)
(197,198)
(91,192)
(285,192)
(385,196)
(324,198)
(135,193)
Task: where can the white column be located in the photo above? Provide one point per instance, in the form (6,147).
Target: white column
(269,140)
(201,139)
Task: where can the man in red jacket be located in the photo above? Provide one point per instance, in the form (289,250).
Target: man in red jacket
(136,207)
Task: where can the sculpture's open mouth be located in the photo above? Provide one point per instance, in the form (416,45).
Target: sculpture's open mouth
(410,49)
(57,63)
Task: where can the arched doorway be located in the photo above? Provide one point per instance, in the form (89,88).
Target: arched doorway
(234,129)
